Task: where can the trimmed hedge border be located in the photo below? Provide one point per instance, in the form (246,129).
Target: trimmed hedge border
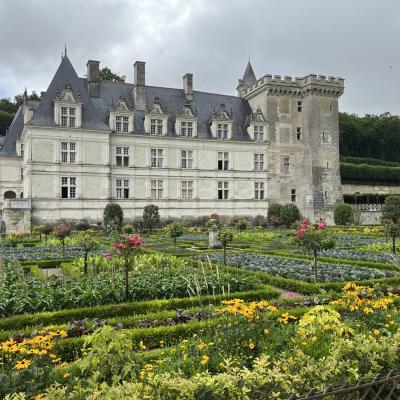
(130,309)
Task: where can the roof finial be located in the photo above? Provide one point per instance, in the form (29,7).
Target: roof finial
(65,51)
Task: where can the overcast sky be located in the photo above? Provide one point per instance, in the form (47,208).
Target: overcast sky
(354,39)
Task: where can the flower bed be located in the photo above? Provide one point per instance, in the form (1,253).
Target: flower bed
(357,240)
(299,269)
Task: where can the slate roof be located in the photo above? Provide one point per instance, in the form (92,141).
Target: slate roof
(249,77)
(95,110)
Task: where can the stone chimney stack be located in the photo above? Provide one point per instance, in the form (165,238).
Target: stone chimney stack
(139,90)
(188,86)
(93,78)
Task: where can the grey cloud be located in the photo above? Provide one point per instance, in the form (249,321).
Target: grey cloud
(212,38)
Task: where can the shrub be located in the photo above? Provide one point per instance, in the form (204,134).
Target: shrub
(113,217)
(391,210)
(128,229)
(225,236)
(369,173)
(241,225)
(151,217)
(274,214)
(344,215)
(289,214)
(61,232)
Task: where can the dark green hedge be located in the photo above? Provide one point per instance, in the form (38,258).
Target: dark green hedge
(369,161)
(369,174)
(126,309)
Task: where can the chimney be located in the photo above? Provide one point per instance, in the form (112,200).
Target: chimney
(93,78)
(139,91)
(188,86)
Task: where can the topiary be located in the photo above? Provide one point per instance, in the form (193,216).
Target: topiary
(151,217)
(344,215)
(113,217)
(175,230)
(274,214)
(289,214)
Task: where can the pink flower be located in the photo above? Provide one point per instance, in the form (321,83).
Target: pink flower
(108,255)
(322,225)
(299,234)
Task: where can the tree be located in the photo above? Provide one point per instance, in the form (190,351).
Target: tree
(344,214)
(274,214)
(107,75)
(38,231)
(88,242)
(5,121)
(127,249)
(151,217)
(394,231)
(175,230)
(391,210)
(289,214)
(314,239)
(61,232)
(113,217)
(225,236)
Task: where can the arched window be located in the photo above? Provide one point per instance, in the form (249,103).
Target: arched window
(10,195)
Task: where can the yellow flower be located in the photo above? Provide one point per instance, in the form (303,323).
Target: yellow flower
(23,364)
(266,331)
(38,397)
(64,364)
(204,360)
(251,345)
(66,375)
(314,339)
(142,346)
(376,332)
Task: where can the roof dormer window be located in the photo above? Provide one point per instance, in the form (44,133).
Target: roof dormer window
(121,117)
(257,126)
(186,121)
(221,123)
(68,108)
(156,120)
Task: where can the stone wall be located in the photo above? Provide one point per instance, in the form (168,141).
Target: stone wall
(16,215)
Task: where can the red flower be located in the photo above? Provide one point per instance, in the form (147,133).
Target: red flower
(299,234)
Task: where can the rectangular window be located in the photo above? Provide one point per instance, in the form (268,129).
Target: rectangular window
(187,159)
(122,156)
(293,195)
(259,190)
(21,174)
(156,188)
(223,160)
(299,106)
(187,128)
(121,124)
(298,133)
(68,187)
(187,190)
(122,188)
(222,131)
(156,126)
(286,165)
(258,133)
(68,152)
(156,158)
(21,148)
(258,161)
(68,116)
(223,190)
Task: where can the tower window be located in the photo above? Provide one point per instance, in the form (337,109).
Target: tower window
(293,195)
(298,133)
(299,106)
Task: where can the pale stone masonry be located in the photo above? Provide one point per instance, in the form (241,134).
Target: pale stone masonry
(90,142)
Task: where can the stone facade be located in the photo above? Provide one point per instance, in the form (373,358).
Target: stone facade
(88,143)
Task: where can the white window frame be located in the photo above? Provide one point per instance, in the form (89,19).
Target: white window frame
(223,190)
(187,159)
(68,116)
(68,152)
(122,156)
(223,161)
(69,183)
(259,160)
(156,126)
(21,150)
(156,189)
(259,133)
(122,188)
(222,130)
(122,123)
(156,157)
(187,189)
(186,128)
(259,190)
(286,165)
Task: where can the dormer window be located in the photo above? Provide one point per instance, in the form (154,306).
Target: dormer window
(121,117)
(221,123)
(156,126)
(68,117)
(186,121)
(156,120)
(257,126)
(68,108)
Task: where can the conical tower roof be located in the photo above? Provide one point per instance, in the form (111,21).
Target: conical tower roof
(249,76)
